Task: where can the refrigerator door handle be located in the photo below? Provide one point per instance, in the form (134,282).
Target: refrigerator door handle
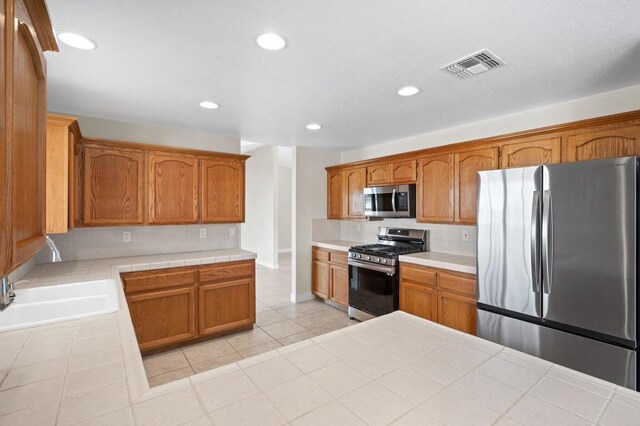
(547,242)
(535,260)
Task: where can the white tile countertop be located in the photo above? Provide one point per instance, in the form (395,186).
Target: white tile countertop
(452,262)
(395,369)
(340,245)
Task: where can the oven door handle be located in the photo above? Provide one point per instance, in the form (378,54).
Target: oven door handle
(389,270)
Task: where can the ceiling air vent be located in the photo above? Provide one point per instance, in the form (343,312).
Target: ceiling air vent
(474,64)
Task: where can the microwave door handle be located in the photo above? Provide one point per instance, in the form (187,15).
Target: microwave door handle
(393,201)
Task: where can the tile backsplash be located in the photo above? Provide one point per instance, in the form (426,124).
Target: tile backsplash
(101,243)
(443,237)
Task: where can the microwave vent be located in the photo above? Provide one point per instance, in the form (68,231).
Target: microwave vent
(474,64)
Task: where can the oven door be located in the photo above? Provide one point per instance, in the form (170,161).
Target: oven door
(389,201)
(373,289)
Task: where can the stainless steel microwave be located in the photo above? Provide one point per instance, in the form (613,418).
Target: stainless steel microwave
(390,201)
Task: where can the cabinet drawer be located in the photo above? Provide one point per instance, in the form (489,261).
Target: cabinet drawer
(226,271)
(320,254)
(418,274)
(458,283)
(338,257)
(158,279)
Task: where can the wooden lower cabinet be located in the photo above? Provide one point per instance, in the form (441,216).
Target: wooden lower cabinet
(163,318)
(330,275)
(225,306)
(445,297)
(179,305)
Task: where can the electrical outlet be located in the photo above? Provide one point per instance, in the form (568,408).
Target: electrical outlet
(465,235)
(232,231)
(126,236)
(358,227)
(203,232)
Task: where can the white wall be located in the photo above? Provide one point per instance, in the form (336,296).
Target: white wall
(95,243)
(260,230)
(616,101)
(156,135)
(309,202)
(284,209)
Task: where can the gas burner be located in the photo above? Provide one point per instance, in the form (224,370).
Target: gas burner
(386,249)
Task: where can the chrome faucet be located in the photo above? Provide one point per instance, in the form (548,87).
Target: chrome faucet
(55,253)
(8,293)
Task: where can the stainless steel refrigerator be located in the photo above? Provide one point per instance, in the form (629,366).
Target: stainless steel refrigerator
(557,264)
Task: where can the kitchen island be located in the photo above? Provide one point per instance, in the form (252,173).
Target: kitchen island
(394,369)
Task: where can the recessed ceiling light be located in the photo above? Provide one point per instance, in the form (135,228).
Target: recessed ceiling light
(76,40)
(408,91)
(209,105)
(314,126)
(271,41)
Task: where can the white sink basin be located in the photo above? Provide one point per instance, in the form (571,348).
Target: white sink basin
(64,302)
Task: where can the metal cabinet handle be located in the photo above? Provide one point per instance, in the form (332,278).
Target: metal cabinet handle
(393,201)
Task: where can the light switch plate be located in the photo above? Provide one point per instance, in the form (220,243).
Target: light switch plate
(203,232)
(126,236)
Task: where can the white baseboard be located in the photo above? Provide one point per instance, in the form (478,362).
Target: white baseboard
(268,264)
(303,297)
(284,251)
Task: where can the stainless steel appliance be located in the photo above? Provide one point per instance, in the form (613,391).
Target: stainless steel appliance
(557,264)
(390,201)
(374,271)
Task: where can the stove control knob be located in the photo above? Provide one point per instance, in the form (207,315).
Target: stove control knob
(367,258)
(378,260)
(359,256)
(384,260)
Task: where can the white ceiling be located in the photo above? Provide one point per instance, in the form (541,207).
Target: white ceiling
(157,59)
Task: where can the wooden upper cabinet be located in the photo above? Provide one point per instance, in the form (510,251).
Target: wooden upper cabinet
(467,165)
(61,169)
(435,189)
(172,188)
(403,171)
(602,143)
(392,173)
(378,174)
(113,186)
(530,153)
(355,183)
(27,138)
(336,197)
(222,191)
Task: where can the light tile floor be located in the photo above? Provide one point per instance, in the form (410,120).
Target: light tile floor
(279,322)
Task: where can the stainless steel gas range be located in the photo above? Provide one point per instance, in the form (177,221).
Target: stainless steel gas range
(374,273)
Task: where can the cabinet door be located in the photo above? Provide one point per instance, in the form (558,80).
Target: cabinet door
(435,189)
(222,191)
(339,284)
(227,305)
(113,186)
(403,171)
(27,138)
(355,183)
(605,143)
(530,153)
(467,166)
(378,174)
(419,300)
(173,189)
(162,318)
(320,279)
(457,312)
(336,194)
(59,142)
